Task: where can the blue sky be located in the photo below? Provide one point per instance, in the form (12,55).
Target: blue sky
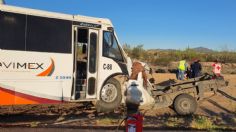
(157,23)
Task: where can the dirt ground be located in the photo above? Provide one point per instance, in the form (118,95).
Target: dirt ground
(223,103)
(217,112)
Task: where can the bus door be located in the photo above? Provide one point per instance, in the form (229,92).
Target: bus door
(92,64)
(86,43)
(80,62)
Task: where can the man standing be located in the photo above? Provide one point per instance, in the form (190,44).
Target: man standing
(196,68)
(181,69)
(216,68)
(136,68)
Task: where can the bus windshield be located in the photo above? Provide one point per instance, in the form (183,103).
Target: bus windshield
(111,48)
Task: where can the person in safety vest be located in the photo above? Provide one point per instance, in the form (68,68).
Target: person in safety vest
(216,68)
(181,69)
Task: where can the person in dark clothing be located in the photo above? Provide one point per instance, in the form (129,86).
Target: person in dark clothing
(189,73)
(196,69)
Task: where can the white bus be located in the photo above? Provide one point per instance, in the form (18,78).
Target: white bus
(48,57)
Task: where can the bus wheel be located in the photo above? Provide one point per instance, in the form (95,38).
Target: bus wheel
(110,96)
(185,104)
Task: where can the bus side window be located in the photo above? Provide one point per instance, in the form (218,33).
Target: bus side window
(82,41)
(82,36)
(12,31)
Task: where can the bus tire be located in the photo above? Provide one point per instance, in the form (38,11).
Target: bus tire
(110,96)
(185,104)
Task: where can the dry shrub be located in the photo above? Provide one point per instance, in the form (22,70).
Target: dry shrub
(202,122)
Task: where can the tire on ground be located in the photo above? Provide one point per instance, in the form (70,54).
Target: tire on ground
(185,104)
(103,105)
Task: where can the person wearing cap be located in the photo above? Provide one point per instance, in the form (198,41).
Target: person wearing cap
(196,68)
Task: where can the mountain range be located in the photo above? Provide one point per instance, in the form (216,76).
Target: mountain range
(197,49)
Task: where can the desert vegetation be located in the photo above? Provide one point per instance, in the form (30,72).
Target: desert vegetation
(164,57)
(166,60)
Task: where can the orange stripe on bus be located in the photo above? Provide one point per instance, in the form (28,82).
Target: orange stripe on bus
(48,71)
(9,99)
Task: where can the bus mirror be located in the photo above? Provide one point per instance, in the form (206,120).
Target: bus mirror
(110,41)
